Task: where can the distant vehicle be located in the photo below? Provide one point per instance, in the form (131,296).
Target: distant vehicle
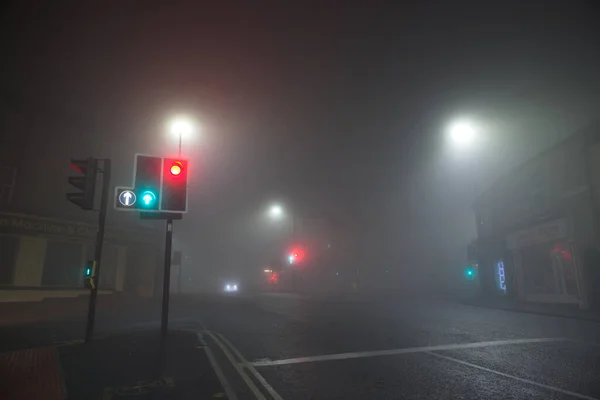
(231,288)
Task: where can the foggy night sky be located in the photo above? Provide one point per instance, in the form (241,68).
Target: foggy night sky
(341,109)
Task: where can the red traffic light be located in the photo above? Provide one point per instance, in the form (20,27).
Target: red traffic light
(297,255)
(176,168)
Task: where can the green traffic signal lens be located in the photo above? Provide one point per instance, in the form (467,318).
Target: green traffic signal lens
(148,198)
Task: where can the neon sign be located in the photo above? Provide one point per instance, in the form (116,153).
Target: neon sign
(501,277)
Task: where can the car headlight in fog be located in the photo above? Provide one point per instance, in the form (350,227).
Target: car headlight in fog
(231,288)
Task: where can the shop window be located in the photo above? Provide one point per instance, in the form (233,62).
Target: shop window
(8,257)
(63,264)
(565,268)
(548,269)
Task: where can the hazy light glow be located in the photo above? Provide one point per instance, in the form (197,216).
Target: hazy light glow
(181,126)
(276,211)
(462,132)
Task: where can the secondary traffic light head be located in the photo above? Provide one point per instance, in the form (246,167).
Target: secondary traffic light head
(86,183)
(89,275)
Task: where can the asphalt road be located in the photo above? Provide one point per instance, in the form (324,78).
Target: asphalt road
(290,347)
(392,348)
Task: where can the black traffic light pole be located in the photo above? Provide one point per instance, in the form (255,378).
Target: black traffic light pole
(89,329)
(164,323)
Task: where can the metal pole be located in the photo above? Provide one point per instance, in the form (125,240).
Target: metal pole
(180,135)
(166,283)
(89,329)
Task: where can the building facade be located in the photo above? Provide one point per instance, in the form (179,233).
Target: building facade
(49,255)
(538,226)
(45,241)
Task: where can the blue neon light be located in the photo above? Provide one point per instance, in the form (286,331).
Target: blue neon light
(501,277)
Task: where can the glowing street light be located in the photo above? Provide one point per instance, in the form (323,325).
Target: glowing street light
(276,211)
(181,126)
(462,132)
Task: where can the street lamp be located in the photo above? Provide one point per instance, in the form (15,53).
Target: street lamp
(276,211)
(462,132)
(181,126)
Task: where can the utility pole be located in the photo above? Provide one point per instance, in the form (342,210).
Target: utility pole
(89,330)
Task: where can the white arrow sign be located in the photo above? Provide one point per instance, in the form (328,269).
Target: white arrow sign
(127,198)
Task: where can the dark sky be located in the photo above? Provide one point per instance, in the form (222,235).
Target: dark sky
(338,107)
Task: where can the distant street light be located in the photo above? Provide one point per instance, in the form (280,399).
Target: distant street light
(276,211)
(462,132)
(179,127)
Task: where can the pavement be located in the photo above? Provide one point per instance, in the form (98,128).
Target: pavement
(361,347)
(559,310)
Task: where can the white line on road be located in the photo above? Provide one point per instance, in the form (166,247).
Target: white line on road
(237,367)
(213,361)
(552,388)
(252,370)
(377,353)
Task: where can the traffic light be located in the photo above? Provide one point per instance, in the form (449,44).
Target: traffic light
(470,272)
(89,275)
(147,182)
(86,183)
(296,255)
(174,185)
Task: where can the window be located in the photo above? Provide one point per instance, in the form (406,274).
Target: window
(63,264)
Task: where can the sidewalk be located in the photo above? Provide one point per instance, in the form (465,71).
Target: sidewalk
(75,308)
(556,310)
(128,366)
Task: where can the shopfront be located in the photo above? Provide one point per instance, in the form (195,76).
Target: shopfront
(545,266)
(39,253)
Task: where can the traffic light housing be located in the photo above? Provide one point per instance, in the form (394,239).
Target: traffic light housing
(147,182)
(86,183)
(174,185)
